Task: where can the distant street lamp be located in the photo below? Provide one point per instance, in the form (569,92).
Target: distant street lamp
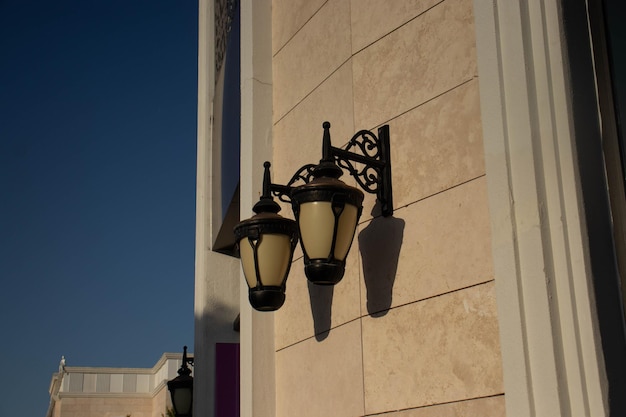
(181,388)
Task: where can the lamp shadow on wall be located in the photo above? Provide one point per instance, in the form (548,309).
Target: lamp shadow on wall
(380,244)
(321,297)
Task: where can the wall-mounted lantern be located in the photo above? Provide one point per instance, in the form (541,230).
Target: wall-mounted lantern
(181,388)
(266,245)
(326,210)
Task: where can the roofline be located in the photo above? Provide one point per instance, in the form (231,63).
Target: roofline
(113,370)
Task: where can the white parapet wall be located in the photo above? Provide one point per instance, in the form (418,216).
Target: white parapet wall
(87,391)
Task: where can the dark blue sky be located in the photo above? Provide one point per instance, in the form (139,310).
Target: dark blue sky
(97,187)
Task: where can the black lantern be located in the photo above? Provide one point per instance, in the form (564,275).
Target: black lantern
(266,244)
(327,212)
(181,388)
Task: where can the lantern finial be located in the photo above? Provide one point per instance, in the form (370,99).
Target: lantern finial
(266,204)
(327,166)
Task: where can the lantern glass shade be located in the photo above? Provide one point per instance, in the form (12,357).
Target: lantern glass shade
(181,390)
(317,223)
(266,244)
(273,258)
(327,211)
(181,399)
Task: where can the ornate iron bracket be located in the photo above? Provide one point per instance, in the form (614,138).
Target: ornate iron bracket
(283,192)
(371,167)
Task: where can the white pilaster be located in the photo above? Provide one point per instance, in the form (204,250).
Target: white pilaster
(257,329)
(551,351)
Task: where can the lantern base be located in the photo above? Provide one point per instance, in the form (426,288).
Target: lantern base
(266,298)
(324,272)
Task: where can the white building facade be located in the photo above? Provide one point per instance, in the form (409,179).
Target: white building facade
(496,286)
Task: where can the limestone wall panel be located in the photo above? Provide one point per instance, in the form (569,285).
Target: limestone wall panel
(322,379)
(440,350)
(311,56)
(425,58)
(435,147)
(373,19)
(483,407)
(288,17)
(297,138)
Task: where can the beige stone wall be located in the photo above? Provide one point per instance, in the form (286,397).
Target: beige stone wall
(105,407)
(421,334)
(115,392)
(113,406)
(161,401)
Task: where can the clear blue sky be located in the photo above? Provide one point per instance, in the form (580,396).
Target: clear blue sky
(97,187)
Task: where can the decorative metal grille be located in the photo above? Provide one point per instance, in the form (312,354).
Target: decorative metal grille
(224,14)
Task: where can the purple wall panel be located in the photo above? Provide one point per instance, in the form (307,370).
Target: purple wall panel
(227,380)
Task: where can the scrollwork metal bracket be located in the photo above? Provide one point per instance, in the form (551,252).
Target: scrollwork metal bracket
(283,192)
(366,157)
(371,168)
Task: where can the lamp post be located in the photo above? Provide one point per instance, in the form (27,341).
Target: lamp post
(326,210)
(181,388)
